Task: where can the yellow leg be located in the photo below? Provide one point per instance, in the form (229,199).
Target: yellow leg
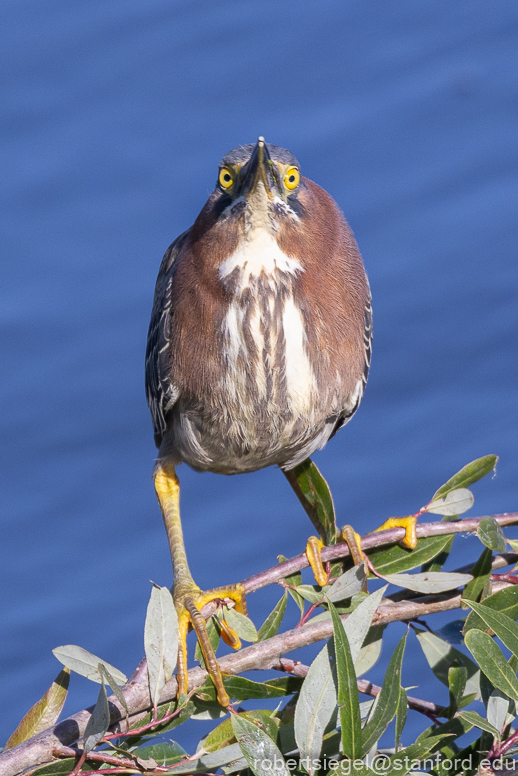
(314,548)
(409,523)
(187,596)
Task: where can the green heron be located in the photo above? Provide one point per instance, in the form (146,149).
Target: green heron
(258,348)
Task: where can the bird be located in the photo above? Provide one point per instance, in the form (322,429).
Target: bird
(258,350)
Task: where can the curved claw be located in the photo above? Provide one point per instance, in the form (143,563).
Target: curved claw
(409,523)
(314,548)
(189,613)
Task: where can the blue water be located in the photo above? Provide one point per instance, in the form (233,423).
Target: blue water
(114,118)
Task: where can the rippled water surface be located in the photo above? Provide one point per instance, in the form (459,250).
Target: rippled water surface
(115,115)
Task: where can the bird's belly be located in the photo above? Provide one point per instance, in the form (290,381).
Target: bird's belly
(267,408)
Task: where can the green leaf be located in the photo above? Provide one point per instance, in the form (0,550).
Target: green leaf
(492,662)
(490,533)
(388,700)
(505,601)
(223,734)
(294,580)
(455,502)
(316,703)
(481,573)
(310,593)
(394,559)
(209,762)
(477,721)
(213,633)
(98,723)
(273,622)
(358,624)
(110,680)
(44,713)
(403,762)
(441,656)
(497,709)
(313,493)
(60,768)
(160,640)
(186,712)
(429,581)
(370,652)
(243,626)
(502,625)
(84,663)
(438,562)
(401,715)
(163,753)
(347,694)
(469,474)
(347,585)
(242,689)
(262,754)
(457,678)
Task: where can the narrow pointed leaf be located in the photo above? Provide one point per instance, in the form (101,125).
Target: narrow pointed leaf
(294,580)
(310,593)
(273,622)
(504,601)
(160,640)
(395,559)
(401,715)
(313,492)
(481,573)
(490,533)
(84,663)
(358,624)
(163,753)
(110,680)
(455,502)
(438,562)
(505,628)
(316,703)
(44,713)
(441,656)
(98,723)
(429,581)
(492,662)
(497,709)
(262,754)
(479,722)
(347,693)
(347,585)
(239,688)
(469,474)
(388,700)
(243,626)
(371,650)
(457,678)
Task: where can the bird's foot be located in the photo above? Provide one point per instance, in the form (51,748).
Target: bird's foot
(409,523)
(189,601)
(314,548)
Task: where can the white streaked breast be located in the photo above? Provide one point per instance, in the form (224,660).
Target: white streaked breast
(300,379)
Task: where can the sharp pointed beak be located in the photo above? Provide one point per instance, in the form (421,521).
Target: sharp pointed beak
(260,169)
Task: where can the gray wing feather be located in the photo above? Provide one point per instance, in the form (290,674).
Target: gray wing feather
(161,392)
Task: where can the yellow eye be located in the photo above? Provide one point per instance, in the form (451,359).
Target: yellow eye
(291,178)
(226,179)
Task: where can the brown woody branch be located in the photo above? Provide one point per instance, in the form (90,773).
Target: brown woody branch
(264,655)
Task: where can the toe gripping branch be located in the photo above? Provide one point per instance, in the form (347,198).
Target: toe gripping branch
(189,614)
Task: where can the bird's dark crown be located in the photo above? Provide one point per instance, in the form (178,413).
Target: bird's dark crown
(242,154)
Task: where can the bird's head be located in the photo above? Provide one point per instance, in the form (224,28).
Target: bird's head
(258,186)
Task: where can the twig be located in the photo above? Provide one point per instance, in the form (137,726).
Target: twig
(429,709)
(261,656)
